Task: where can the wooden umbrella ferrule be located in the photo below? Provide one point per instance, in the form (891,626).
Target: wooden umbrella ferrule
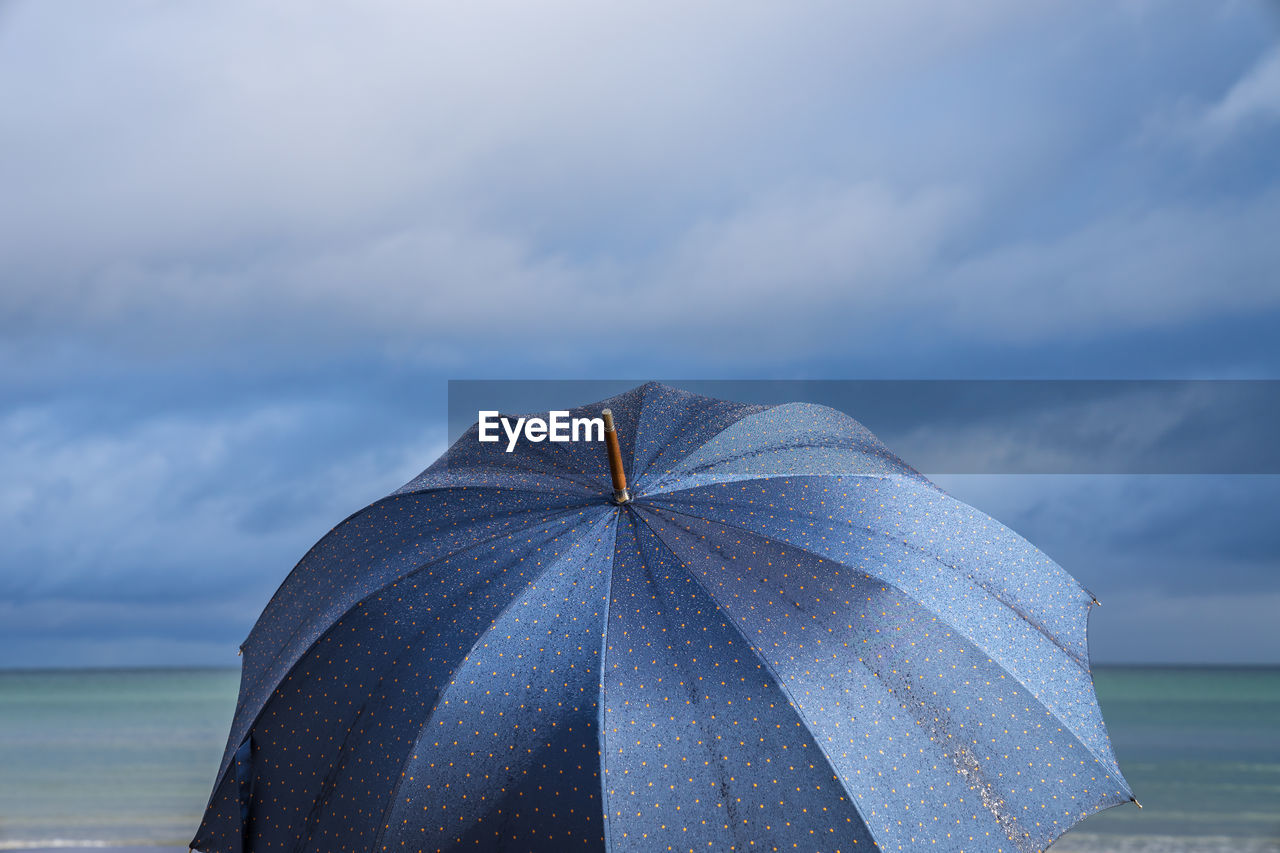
(621,494)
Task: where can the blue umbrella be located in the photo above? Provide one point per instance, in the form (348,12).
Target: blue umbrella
(767,632)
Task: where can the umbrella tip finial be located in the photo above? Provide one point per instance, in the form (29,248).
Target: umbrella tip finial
(621,494)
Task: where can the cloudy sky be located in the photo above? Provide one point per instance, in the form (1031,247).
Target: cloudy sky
(244,248)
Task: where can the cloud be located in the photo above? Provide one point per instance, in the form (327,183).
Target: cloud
(1073,427)
(1124,535)
(819,263)
(157,538)
(1255,98)
(170,508)
(1143,268)
(398,174)
(237,243)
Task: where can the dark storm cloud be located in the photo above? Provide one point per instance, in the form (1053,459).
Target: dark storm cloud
(840,173)
(241,250)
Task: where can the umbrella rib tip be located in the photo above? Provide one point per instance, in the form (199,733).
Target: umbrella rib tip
(1134,800)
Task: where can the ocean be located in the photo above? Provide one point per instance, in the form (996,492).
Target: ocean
(124,759)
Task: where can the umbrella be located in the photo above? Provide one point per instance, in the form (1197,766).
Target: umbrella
(738,628)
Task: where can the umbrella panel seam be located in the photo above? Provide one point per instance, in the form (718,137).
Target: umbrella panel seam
(782,688)
(1085,669)
(1104,764)
(418,568)
(395,792)
(917,549)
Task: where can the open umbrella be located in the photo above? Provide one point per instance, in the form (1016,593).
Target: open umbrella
(760,630)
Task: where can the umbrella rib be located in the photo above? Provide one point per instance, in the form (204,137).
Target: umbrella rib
(326,785)
(1040,629)
(750,478)
(600,700)
(635,439)
(331,778)
(312,550)
(644,399)
(395,496)
(552,515)
(1105,764)
(759,655)
(582,481)
(741,632)
(453,674)
(883,454)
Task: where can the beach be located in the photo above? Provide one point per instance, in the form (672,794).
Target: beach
(124,760)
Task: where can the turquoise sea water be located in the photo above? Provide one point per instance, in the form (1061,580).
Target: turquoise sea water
(125,758)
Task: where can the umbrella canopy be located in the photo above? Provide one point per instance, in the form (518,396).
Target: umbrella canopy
(787,639)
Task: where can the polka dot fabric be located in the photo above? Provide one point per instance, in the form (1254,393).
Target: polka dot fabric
(788,640)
